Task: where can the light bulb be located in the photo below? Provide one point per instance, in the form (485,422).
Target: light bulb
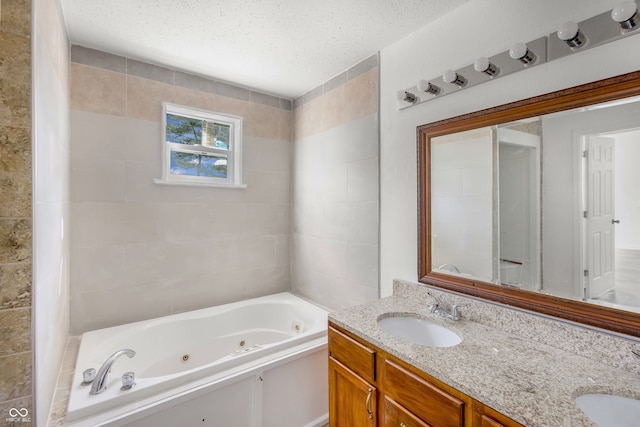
(568,30)
(425,86)
(570,33)
(483,65)
(450,76)
(626,14)
(521,52)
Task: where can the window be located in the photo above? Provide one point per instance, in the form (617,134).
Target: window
(200,147)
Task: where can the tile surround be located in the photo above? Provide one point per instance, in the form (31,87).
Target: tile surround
(125,227)
(335,189)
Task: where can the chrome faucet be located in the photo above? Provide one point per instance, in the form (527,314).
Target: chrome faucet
(441,310)
(100,382)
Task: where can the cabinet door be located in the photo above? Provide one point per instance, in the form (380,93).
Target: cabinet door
(484,416)
(352,401)
(397,416)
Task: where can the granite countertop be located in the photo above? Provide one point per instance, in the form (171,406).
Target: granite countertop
(533,383)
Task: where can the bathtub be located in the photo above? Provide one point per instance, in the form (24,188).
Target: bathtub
(227,361)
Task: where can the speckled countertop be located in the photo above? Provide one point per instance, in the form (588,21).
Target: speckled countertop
(533,383)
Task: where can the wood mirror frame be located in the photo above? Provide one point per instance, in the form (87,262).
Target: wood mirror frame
(624,86)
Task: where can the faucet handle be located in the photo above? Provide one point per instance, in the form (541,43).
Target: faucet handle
(88,375)
(128,380)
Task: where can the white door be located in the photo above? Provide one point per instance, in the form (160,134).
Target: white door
(600,244)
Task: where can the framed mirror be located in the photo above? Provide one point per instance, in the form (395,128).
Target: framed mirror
(536,204)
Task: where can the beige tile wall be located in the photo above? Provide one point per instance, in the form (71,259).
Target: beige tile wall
(51,216)
(15,211)
(335,189)
(141,250)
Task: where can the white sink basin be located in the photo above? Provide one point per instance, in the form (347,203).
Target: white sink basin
(419,331)
(610,411)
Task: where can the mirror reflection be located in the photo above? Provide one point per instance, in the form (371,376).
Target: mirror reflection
(549,204)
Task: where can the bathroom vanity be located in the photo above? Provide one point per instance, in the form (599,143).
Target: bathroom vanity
(491,378)
(370,387)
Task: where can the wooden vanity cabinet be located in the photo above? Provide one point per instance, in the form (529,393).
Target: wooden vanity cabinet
(369,388)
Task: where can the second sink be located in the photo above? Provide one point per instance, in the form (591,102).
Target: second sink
(419,331)
(609,410)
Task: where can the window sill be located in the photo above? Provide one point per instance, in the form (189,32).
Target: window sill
(199,184)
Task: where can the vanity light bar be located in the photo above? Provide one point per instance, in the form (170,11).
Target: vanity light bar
(570,38)
(489,69)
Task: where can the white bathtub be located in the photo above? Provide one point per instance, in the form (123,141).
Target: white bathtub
(183,358)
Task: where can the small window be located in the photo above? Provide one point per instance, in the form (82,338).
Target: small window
(200,147)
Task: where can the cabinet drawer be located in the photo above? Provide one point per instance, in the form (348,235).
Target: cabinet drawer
(396,416)
(360,359)
(486,421)
(430,403)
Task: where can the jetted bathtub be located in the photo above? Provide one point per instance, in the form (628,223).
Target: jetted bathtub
(254,363)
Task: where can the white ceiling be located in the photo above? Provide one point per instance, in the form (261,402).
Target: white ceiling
(282,47)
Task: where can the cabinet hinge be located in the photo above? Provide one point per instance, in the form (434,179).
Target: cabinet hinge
(585,214)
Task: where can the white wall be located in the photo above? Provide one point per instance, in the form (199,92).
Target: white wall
(478,28)
(51,200)
(627,208)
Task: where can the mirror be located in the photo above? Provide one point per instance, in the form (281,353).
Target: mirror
(536,204)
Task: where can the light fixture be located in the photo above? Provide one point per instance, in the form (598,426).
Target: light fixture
(570,33)
(452,77)
(425,86)
(405,96)
(521,52)
(626,14)
(483,65)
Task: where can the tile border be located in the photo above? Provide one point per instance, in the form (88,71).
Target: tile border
(351,73)
(107,61)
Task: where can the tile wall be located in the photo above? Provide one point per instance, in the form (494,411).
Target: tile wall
(462,202)
(51,210)
(142,250)
(335,189)
(15,207)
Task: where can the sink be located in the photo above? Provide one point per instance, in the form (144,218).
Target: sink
(608,410)
(419,331)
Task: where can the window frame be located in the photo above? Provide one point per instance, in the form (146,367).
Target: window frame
(233,154)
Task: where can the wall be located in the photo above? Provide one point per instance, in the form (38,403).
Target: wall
(142,250)
(627,207)
(562,224)
(335,189)
(478,28)
(51,200)
(15,207)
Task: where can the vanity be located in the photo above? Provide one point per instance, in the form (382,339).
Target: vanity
(523,225)
(491,378)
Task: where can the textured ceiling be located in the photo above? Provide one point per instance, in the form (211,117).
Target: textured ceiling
(283,47)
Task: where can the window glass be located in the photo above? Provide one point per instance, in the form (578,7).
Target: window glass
(201,147)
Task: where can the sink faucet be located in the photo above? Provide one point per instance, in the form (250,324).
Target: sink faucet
(441,310)
(100,382)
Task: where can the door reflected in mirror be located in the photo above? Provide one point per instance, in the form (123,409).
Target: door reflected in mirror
(547,204)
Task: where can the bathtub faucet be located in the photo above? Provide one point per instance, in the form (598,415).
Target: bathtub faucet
(100,382)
